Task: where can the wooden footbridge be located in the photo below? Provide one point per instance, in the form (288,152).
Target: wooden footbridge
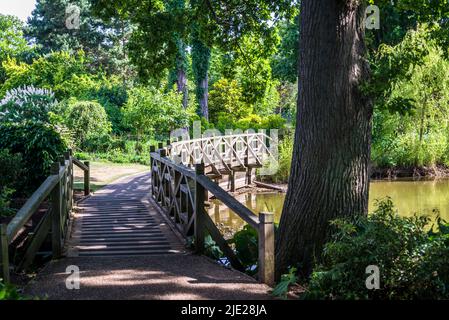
(137,229)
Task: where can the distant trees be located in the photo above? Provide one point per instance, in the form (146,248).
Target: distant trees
(103,42)
(165,28)
(12,43)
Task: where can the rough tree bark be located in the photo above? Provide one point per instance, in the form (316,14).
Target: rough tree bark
(203,96)
(181,84)
(329,175)
(200,64)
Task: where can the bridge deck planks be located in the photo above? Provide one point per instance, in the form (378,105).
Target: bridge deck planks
(118,220)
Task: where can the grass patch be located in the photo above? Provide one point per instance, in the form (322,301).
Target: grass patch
(103,173)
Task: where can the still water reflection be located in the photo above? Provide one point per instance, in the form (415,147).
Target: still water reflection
(409,197)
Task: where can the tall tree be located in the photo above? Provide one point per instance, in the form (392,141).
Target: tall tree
(52,28)
(200,64)
(329,175)
(178,74)
(12,42)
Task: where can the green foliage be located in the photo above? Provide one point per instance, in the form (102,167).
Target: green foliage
(285,161)
(226,98)
(10,168)
(9,292)
(103,41)
(86,119)
(413,261)
(56,71)
(411,119)
(5,200)
(246,247)
(150,111)
(39,144)
(103,143)
(27,104)
(251,121)
(12,42)
(285,61)
(287,280)
(211,248)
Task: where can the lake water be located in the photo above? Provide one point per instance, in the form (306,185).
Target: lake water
(409,197)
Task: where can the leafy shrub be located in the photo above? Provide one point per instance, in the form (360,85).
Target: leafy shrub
(5,199)
(11,168)
(226,97)
(110,93)
(285,161)
(246,246)
(287,280)
(103,143)
(55,71)
(150,111)
(86,119)
(26,104)
(211,248)
(413,262)
(411,86)
(9,292)
(39,144)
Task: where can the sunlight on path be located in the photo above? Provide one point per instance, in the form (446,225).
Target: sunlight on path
(102,173)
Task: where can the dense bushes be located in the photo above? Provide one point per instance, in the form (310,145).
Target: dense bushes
(9,292)
(39,144)
(149,111)
(11,169)
(27,104)
(411,86)
(86,119)
(413,261)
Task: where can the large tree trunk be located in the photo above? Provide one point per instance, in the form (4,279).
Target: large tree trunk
(329,177)
(203,97)
(181,84)
(200,64)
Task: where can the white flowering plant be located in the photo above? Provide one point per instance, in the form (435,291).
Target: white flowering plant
(27,104)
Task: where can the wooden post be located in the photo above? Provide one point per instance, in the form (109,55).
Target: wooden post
(168,147)
(246,161)
(199,211)
(87,179)
(266,248)
(4,254)
(163,182)
(152,149)
(63,183)
(160,145)
(232,178)
(68,156)
(56,204)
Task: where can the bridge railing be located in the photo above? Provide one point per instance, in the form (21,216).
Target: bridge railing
(227,151)
(58,189)
(181,194)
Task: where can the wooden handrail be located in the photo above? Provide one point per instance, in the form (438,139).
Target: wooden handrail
(243,212)
(80,165)
(30,206)
(86,169)
(180,192)
(58,187)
